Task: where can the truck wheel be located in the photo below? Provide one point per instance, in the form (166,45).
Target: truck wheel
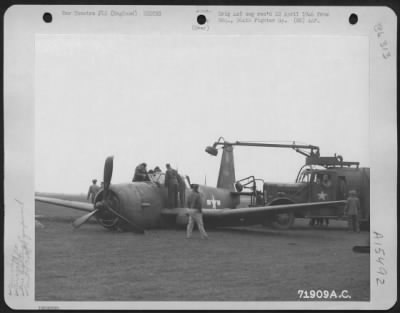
(283,220)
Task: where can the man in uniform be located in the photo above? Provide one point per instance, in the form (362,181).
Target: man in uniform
(352,209)
(93,189)
(171,182)
(195,213)
(141,173)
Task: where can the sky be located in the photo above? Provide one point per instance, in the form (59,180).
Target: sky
(163,99)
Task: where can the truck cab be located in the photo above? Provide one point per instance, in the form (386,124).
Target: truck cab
(324,184)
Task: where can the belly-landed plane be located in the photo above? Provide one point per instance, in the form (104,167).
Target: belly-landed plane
(137,206)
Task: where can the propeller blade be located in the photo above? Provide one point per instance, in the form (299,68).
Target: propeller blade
(136,228)
(108,169)
(83,219)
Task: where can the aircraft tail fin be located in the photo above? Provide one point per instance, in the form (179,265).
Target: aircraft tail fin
(226,177)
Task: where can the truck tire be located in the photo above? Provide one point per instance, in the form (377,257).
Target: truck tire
(283,220)
(280,221)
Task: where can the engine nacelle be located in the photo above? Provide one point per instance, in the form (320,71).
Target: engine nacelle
(140,202)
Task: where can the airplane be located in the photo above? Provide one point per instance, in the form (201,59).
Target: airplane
(137,206)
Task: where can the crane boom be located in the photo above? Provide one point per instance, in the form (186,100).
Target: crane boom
(314,150)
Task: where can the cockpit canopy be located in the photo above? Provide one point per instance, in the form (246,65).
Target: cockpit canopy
(159,178)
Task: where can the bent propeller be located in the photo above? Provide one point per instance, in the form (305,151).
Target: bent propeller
(83,219)
(107,174)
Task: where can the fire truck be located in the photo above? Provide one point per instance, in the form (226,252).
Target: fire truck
(319,179)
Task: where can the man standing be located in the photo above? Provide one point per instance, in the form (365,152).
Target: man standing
(93,189)
(141,173)
(171,182)
(182,191)
(352,209)
(195,213)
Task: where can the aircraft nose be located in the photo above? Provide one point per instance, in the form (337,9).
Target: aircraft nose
(104,216)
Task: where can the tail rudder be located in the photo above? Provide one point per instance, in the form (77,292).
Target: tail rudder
(226,177)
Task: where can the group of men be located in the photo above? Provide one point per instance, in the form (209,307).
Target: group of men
(173,181)
(352,211)
(176,195)
(141,173)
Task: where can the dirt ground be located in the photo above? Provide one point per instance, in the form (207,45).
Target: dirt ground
(241,264)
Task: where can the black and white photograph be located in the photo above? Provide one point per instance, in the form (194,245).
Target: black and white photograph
(229,157)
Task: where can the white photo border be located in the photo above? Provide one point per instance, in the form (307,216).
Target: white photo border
(23,22)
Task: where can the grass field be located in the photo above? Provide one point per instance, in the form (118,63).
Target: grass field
(254,263)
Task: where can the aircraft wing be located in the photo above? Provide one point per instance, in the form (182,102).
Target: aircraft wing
(80,206)
(270,209)
(261,210)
